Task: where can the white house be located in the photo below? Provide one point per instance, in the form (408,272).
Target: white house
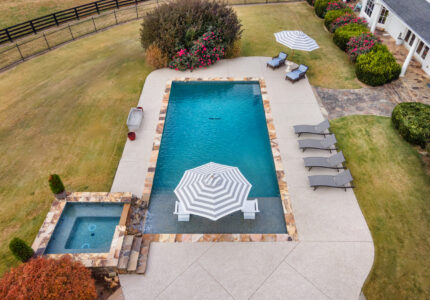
(408,21)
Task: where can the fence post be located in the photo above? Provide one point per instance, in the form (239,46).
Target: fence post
(19,50)
(76,13)
(70,29)
(8,35)
(55,19)
(116,20)
(32,27)
(97,7)
(116,1)
(137,11)
(95,28)
(46,40)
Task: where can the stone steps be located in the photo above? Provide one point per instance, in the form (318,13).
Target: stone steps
(133,255)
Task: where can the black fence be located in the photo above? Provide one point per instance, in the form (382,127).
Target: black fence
(34,26)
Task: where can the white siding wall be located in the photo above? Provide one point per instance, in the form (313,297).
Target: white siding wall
(393,25)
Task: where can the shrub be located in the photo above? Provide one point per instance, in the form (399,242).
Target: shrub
(336,5)
(206,51)
(321,7)
(360,45)
(20,249)
(47,279)
(178,24)
(343,34)
(311,2)
(156,58)
(346,19)
(55,183)
(233,50)
(412,120)
(332,15)
(377,67)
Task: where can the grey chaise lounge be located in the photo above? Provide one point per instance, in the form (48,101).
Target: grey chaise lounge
(341,180)
(277,61)
(333,162)
(320,128)
(323,144)
(297,74)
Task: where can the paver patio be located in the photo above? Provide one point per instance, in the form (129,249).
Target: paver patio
(334,253)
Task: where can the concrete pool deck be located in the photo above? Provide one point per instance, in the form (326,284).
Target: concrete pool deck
(334,253)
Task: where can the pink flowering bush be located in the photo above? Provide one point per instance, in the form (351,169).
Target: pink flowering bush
(206,51)
(345,20)
(335,6)
(360,45)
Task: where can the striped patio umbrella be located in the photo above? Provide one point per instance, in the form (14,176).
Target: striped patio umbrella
(213,190)
(296,40)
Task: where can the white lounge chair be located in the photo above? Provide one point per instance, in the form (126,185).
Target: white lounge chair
(249,209)
(180,211)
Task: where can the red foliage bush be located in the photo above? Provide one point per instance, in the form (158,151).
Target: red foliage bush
(48,279)
(360,45)
(337,5)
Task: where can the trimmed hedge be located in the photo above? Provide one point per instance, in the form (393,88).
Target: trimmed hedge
(20,249)
(332,15)
(56,184)
(412,120)
(321,7)
(343,34)
(377,67)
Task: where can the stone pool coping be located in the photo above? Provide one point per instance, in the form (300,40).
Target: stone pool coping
(92,260)
(280,174)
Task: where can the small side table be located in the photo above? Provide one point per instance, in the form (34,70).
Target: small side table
(290,66)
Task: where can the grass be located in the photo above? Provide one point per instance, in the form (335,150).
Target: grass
(329,66)
(393,191)
(64,112)
(17,11)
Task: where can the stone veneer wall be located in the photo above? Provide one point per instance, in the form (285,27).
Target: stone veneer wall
(283,188)
(105,260)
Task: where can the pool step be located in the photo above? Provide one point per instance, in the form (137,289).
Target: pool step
(134,255)
(124,255)
(143,257)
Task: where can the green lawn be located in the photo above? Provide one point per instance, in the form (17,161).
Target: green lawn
(17,11)
(393,191)
(329,66)
(64,112)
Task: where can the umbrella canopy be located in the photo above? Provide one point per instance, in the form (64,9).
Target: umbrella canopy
(213,190)
(296,40)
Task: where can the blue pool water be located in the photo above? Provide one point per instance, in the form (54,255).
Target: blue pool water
(85,228)
(222,122)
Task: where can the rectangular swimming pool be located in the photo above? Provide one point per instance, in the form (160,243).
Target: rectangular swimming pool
(222,122)
(85,228)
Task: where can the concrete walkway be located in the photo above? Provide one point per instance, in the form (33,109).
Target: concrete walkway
(334,253)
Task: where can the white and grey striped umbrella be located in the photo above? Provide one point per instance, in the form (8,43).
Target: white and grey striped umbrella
(296,40)
(213,190)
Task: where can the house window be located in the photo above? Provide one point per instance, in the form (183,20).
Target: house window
(369,7)
(383,16)
(420,47)
(408,35)
(424,54)
(411,42)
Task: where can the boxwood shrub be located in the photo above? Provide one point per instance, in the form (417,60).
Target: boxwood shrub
(321,7)
(311,2)
(20,249)
(343,34)
(412,120)
(332,15)
(55,183)
(377,67)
